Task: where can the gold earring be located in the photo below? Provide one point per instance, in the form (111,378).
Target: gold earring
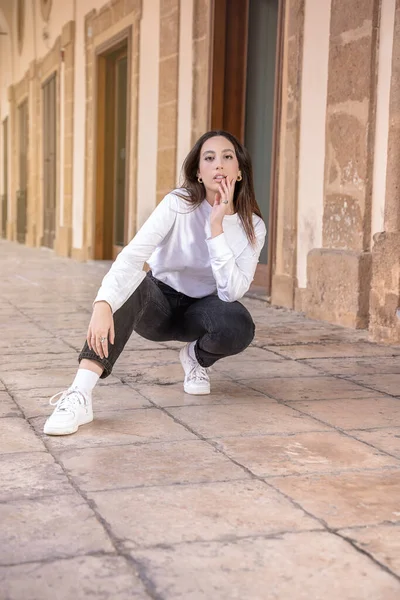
(239,177)
(199,179)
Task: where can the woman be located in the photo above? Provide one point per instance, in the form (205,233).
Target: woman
(202,243)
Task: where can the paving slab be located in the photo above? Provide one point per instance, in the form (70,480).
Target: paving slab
(252,353)
(136,342)
(131,359)
(380,541)
(50,527)
(77,578)
(60,378)
(38,361)
(22,346)
(16,435)
(260,369)
(198,512)
(347,499)
(347,367)
(223,392)
(139,426)
(290,334)
(8,407)
(147,465)
(300,453)
(299,566)
(336,350)
(292,389)
(222,420)
(389,383)
(24,475)
(364,413)
(386,439)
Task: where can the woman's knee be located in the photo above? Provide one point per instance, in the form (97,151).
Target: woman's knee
(246,328)
(237,328)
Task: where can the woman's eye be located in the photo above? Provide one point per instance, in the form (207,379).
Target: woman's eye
(208,158)
(229,156)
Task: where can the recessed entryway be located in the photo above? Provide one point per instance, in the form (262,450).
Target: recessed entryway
(113,83)
(246,87)
(22,171)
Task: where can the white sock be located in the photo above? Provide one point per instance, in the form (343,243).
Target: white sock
(85,380)
(191,350)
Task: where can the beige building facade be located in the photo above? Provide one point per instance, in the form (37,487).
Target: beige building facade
(101,101)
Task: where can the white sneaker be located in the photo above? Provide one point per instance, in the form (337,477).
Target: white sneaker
(197,381)
(73,409)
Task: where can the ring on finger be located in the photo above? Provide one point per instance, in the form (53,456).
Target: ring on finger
(102,340)
(225,201)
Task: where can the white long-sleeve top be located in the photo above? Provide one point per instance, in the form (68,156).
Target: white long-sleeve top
(176,242)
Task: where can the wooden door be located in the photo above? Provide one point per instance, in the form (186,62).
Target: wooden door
(246,96)
(23,171)
(49,162)
(112,144)
(4,198)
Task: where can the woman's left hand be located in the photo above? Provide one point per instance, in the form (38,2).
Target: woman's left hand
(223,205)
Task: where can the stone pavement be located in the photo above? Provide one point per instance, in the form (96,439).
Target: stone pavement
(284,483)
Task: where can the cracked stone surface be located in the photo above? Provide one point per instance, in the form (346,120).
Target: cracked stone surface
(283,483)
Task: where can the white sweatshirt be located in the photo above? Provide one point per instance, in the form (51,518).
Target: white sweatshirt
(176,242)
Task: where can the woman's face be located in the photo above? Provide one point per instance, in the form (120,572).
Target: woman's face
(217,160)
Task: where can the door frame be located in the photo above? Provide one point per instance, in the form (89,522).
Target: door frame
(237,87)
(102,53)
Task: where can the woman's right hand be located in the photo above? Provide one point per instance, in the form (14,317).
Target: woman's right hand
(101,326)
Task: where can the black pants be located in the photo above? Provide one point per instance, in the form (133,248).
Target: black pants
(159,313)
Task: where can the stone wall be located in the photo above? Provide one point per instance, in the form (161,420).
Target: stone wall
(339,274)
(385,288)
(30,89)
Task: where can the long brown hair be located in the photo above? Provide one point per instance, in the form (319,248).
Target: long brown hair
(244,200)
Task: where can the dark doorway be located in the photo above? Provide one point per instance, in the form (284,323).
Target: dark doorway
(23,171)
(112,144)
(246,96)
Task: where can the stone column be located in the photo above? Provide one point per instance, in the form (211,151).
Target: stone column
(339,274)
(34,156)
(385,288)
(17,94)
(64,235)
(284,280)
(202,46)
(12,132)
(168,97)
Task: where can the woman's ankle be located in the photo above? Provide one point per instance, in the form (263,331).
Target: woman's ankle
(85,380)
(91,365)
